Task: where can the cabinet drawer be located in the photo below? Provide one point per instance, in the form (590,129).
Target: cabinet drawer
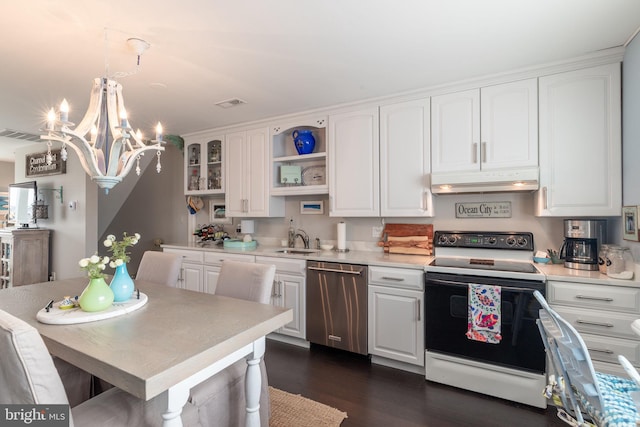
(216,258)
(607,349)
(615,298)
(599,323)
(187,255)
(405,278)
(285,265)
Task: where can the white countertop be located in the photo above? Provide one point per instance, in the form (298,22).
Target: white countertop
(352,257)
(379,258)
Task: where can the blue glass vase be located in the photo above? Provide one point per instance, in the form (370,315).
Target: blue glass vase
(304,141)
(122,284)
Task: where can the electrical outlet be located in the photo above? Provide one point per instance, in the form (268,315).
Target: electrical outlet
(376,231)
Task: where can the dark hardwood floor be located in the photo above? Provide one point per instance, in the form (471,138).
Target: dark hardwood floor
(374,395)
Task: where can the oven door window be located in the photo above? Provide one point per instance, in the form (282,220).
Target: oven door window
(447,321)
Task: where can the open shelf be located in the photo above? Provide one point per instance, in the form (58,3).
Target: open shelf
(310,168)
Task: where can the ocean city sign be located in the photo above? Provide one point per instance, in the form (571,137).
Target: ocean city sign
(483,210)
(36,164)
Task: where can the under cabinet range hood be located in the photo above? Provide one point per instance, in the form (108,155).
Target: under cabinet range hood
(525,179)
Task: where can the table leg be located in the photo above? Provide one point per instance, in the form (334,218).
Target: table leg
(253,383)
(175,399)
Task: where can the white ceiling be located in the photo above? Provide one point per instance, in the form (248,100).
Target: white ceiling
(281,56)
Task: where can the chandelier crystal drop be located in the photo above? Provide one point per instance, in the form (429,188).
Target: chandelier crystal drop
(104,141)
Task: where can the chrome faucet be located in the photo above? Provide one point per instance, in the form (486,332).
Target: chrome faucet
(304,236)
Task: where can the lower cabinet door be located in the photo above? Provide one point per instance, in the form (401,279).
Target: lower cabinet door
(396,325)
(211,275)
(191,277)
(292,296)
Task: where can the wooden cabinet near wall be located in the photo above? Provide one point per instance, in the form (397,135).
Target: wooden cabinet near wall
(24,257)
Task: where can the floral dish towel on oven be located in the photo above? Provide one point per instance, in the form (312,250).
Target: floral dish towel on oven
(484,313)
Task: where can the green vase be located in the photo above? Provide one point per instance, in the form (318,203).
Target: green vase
(97,296)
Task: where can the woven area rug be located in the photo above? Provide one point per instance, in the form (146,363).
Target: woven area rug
(293,410)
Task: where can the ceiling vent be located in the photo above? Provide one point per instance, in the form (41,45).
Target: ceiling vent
(228,103)
(16,134)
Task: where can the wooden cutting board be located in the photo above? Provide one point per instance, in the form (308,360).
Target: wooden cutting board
(414,239)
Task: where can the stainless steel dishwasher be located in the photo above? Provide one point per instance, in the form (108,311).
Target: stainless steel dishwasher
(337,305)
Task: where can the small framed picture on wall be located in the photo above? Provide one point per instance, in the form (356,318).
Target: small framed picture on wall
(630,223)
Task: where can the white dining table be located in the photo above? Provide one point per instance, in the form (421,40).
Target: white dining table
(178,339)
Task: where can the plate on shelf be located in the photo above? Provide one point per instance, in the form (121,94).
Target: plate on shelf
(314,175)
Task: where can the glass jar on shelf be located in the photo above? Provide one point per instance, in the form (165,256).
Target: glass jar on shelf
(620,263)
(194,181)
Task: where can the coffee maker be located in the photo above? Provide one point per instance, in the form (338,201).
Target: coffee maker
(582,240)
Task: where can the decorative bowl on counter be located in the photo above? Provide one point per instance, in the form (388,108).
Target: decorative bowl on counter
(326,247)
(541,260)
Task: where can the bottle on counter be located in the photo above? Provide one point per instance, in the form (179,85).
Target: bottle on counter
(292,234)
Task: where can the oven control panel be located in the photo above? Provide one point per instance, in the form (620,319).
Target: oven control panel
(485,240)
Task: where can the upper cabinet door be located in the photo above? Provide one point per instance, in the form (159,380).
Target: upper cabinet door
(405,165)
(247,184)
(354,144)
(581,143)
(509,125)
(455,127)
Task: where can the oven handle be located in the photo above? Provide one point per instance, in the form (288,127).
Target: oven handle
(437,282)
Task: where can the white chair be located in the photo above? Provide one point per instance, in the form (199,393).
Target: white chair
(220,400)
(160,267)
(28,376)
(606,399)
(244,280)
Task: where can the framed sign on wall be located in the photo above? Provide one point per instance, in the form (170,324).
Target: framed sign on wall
(36,164)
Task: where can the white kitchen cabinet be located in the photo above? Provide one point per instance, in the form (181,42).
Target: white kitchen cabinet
(289,291)
(396,316)
(203,165)
(405,164)
(247,168)
(213,261)
(293,173)
(191,272)
(580,143)
(455,126)
(491,128)
(603,315)
(354,167)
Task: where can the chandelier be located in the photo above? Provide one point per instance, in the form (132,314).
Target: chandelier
(104,141)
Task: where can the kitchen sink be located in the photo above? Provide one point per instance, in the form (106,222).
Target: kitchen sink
(294,251)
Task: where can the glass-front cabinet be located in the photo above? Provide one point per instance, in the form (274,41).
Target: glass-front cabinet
(203,167)
(299,157)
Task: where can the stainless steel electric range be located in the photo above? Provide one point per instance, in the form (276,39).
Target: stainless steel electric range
(511,363)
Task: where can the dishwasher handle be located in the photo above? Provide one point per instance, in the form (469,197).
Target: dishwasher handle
(335,270)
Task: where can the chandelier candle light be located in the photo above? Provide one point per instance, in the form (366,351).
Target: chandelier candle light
(112,147)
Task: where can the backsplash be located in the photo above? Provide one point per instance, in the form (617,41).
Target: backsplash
(547,232)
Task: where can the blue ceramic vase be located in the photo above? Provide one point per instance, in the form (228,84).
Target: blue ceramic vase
(122,284)
(304,141)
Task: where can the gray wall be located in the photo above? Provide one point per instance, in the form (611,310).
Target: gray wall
(155,208)
(73,231)
(6,175)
